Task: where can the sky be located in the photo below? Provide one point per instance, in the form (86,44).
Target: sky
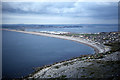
(60,12)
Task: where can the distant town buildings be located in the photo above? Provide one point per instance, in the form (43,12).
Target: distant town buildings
(98,38)
(55,32)
(103,37)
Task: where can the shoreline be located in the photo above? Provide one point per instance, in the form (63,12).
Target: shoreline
(97,48)
(48,71)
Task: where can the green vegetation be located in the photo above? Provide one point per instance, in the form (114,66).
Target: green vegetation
(67,63)
(63,76)
(83,76)
(71,34)
(100,69)
(89,34)
(76,35)
(114,46)
(97,56)
(49,75)
(57,67)
(92,72)
(105,38)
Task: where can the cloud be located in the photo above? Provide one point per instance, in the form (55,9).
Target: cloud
(63,8)
(81,10)
(41,7)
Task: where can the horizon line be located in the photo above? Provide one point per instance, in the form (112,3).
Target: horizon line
(58,23)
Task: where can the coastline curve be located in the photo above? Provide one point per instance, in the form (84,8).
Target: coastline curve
(97,48)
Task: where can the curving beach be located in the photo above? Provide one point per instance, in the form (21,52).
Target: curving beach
(98,48)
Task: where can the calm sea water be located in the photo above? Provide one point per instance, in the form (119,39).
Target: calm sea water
(22,52)
(80,30)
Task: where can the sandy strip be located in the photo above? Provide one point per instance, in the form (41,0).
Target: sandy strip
(97,48)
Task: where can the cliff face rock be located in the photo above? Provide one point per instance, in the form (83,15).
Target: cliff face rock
(112,57)
(84,67)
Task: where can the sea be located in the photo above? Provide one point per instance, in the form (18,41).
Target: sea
(22,52)
(73,28)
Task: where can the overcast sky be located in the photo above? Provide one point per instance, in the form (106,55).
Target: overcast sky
(60,12)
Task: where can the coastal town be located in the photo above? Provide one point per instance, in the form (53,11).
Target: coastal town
(98,38)
(103,37)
